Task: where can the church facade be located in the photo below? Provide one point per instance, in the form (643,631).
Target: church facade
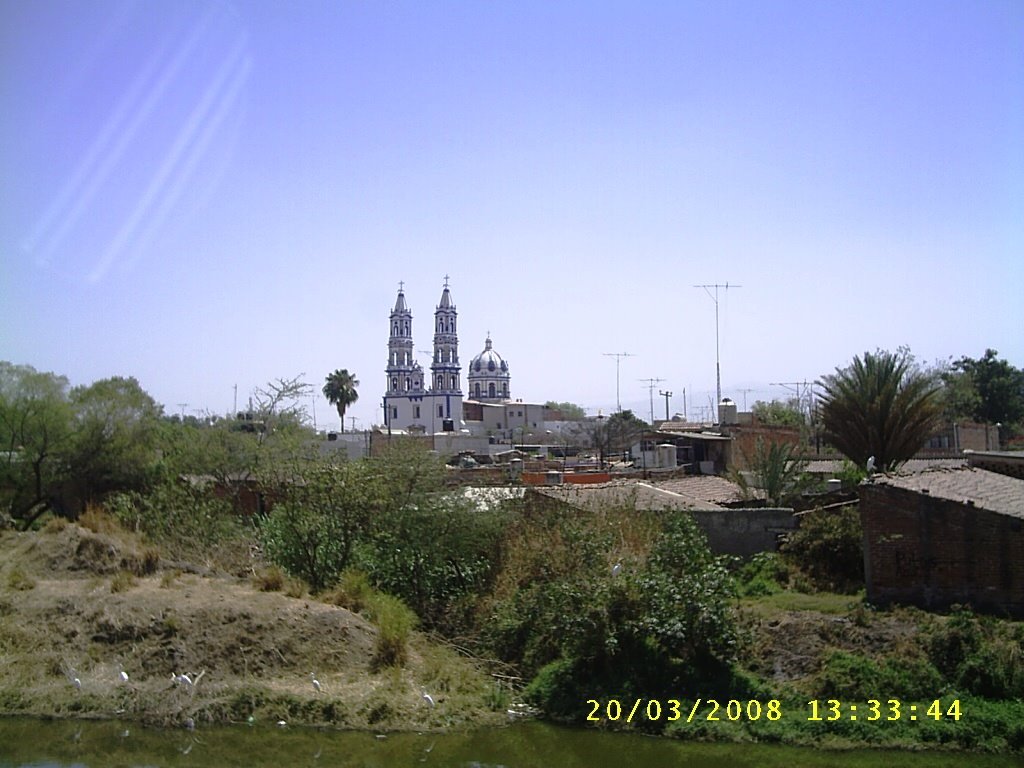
(415,403)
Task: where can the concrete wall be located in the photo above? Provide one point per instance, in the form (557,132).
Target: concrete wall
(933,552)
(745,532)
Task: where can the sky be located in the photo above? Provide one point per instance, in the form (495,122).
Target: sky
(211,195)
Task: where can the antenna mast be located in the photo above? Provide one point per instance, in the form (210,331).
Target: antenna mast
(714,298)
(618,358)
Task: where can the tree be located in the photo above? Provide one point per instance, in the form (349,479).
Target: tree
(35,432)
(325,507)
(116,427)
(569,411)
(340,391)
(612,435)
(777,471)
(778,413)
(988,390)
(881,406)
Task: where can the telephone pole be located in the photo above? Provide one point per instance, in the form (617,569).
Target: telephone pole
(618,358)
(666,395)
(714,298)
(650,389)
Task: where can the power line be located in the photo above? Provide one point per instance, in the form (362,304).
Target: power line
(618,358)
(714,298)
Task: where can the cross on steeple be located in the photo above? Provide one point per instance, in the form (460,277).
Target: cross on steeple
(446,281)
(401,285)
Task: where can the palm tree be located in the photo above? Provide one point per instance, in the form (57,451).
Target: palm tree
(881,406)
(340,391)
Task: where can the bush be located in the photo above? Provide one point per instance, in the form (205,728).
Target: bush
(353,591)
(270,579)
(979,654)
(828,548)
(766,573)
(394,623)
(122,581)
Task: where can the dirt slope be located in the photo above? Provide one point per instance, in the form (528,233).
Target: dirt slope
(70,610)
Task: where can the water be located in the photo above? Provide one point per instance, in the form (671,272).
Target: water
(51,744)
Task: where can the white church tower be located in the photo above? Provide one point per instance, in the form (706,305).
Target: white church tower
(407,405)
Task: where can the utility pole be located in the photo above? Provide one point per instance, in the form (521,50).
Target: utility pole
(666,395)
(744,391)
(650,389)
(618,359)
(714,298)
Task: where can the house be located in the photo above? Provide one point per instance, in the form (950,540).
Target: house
(945,536)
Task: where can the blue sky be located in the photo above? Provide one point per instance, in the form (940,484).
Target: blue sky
(211,194)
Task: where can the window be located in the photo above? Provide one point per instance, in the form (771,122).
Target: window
(394,382)
(440,411)
(490,389)
(408,383)
(394,413)
(417,411)
(455,382)
(477,389)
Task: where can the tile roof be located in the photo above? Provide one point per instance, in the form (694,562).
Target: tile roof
(985,490)
(831,466)
(629,493)
(713,488)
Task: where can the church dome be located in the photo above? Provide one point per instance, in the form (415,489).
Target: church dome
(488,362)
(488,375)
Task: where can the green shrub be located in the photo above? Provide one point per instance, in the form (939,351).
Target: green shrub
(979,654)
(851,676)
(828,549)
(766,573)
(394,621)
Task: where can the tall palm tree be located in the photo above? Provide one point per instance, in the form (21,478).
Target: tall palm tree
(881,406)
(340,391)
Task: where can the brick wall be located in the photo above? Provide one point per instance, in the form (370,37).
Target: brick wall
(933,552)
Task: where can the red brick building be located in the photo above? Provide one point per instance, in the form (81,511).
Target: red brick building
(945,536)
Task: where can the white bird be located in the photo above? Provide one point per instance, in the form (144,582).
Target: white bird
(871,464)
(316,683)
(282,724)
(123,675)
(617,569)
(77,683)
(182,679)
(427,697)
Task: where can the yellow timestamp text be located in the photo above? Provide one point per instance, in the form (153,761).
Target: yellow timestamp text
(872,710)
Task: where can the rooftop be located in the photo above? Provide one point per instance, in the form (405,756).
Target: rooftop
(976,487)
(627,493)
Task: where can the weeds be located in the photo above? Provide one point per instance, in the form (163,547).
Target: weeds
(122,581)
(20,581)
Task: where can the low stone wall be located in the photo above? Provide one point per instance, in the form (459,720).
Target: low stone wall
(745,532)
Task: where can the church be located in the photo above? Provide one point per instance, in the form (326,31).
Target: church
(409,404)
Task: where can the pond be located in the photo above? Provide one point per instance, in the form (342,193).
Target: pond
(111,744)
